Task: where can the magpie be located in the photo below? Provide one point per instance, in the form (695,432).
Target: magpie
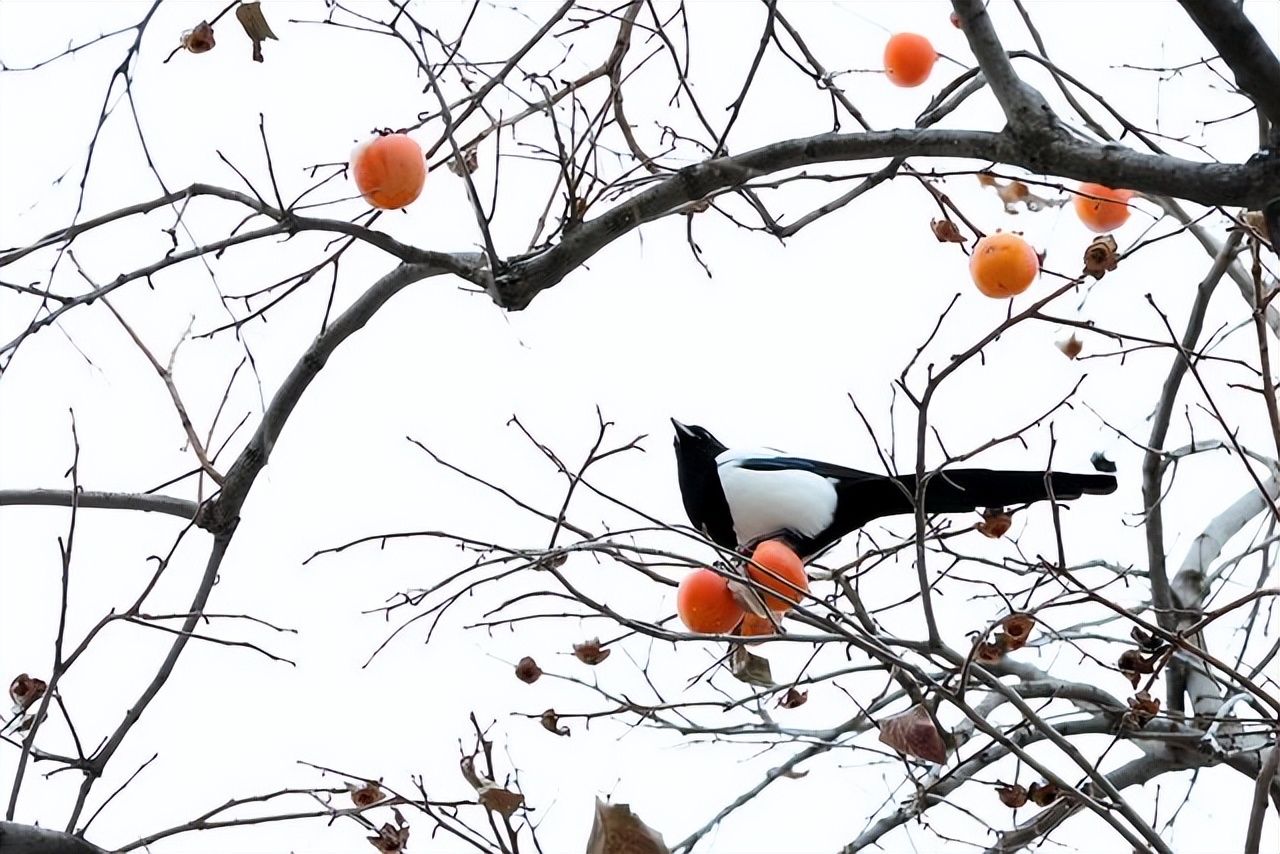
(739,497)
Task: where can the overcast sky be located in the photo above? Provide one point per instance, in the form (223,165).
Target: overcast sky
(767,351)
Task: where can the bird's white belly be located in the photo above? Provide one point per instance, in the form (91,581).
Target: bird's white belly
(767,502)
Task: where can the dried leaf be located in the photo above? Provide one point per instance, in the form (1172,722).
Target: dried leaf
(1142,708)
(367,795)
(1148,643)
(794,773)
(589,652)
(1071,347)
(914,733)
(946,231)
(995,523)
(749,668)
(1100,257)
(1012,796)
(551,723)
(501,801)
(1133,665)
(26,690)
(1012,193)
(468,165)
(1101,463)
(391,839)
(198,39)
(1017,628)
(255,26)
(1043,795)
(793,699)
(990,653)
(528,671)
(615,829)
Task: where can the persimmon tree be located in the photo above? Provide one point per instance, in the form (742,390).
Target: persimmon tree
(996,681)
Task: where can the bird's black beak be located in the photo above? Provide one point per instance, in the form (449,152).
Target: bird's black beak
(682,432)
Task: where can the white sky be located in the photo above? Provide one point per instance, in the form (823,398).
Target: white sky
(766,352)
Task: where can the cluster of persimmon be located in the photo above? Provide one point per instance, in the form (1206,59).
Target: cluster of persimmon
(773,576)
(1004,264)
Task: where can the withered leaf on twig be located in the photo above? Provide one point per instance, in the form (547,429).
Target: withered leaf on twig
(1014,193)
(255,26)
(499,800)
(1071,347)
(551,723)
(468,165)
(995,523)
(1012,796)
(198,39)
(26,690)
(793,699)
(946,231)
(615,829)
(1100,256)
(990,653)
(1016,629)
(914,733)
(391,839)
(365,795)
(1142,708)
(528,671)
(1133,665)
(1100,463)
(589,652)
(1043,794)
(749,668)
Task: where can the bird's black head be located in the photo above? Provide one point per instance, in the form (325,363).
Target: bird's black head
(694,442)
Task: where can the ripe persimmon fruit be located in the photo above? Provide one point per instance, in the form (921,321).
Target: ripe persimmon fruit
(908,59)
(775,567)
(755,626)
(389,170)
(1107,212)
(1003,264)
(705,603)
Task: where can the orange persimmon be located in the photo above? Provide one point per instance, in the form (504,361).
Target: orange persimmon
(908,59)
(779,570)
(389,170)
(755,626)
(1003,264)
(705,603)
(1100,208)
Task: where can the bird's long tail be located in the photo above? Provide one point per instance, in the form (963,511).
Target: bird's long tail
(959,491)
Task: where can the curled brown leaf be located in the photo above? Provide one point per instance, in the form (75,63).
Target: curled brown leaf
(793,699)
(1013,796)
(1100,256)
(551,723)
(1017,628)
(946,231)
(589,652)
(1043,794)
(995,523)
(198,39)
(365,795)
(528,671)
(1071,347)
